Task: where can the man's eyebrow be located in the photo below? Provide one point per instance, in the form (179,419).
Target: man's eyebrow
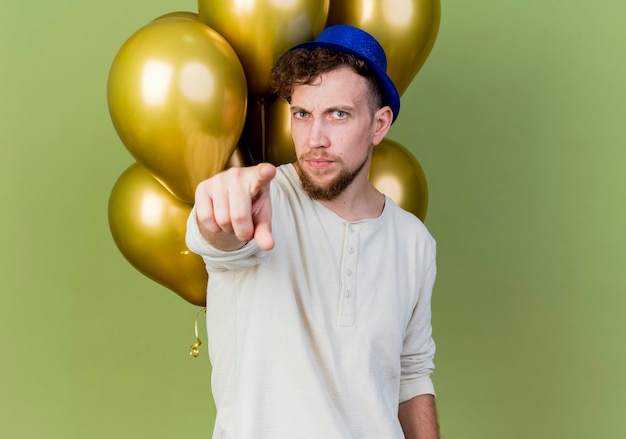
(344,108)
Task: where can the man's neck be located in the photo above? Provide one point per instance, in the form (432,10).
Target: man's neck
(357,202)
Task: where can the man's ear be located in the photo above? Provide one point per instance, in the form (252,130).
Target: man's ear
(382,122)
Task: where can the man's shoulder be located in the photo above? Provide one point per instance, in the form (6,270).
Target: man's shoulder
(409,226)
(286,177)
(404,216)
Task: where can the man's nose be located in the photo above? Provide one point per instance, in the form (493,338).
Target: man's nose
(318,134)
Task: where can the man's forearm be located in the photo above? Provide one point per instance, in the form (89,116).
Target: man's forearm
(418,417)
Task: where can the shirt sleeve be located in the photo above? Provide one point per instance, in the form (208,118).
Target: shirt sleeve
(418,351)
(219,260)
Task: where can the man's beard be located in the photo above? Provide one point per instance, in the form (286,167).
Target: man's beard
(333,189)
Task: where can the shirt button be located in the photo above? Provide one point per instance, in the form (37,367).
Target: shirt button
(349,272)
(348,294)
(351,250)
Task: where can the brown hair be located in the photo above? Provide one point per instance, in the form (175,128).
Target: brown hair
(303,66)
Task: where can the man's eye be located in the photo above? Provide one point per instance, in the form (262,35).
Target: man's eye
(299,114)
(340,114)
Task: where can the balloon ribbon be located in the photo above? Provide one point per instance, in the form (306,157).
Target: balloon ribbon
(193,350)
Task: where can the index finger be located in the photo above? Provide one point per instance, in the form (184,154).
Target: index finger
(265,172)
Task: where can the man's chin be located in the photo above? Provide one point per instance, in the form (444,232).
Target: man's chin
(324,189)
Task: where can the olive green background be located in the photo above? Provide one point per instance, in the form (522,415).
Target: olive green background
(518,121)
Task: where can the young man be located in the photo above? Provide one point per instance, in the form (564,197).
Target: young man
(318,303)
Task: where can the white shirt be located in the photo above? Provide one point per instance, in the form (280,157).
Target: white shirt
(324,335)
